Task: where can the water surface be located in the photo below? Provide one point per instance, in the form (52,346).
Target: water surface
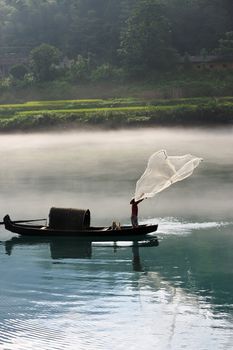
(59,294)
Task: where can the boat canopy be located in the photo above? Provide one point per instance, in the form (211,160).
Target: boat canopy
(69,219)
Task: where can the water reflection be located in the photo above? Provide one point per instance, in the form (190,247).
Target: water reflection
(198,263)
(79,248)
(179,294)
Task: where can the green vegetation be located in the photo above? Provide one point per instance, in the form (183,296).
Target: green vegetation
(107,50)
(89,40)
(115,113)
(169,85)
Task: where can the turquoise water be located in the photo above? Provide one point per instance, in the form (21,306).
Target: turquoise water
(74,294)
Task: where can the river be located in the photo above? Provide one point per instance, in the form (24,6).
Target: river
(63,295)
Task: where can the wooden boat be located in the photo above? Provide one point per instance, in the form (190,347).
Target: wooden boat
(126,232)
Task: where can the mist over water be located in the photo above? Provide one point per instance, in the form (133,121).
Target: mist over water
(69,294)
(99,170)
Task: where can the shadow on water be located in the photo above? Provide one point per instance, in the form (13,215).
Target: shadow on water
(80,248)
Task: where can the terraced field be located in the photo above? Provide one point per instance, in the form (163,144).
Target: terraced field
(37,115)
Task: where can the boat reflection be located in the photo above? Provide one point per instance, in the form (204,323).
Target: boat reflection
(80,248)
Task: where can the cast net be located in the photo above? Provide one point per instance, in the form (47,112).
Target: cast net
(162,171)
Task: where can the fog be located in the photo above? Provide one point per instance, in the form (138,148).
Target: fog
(98,170)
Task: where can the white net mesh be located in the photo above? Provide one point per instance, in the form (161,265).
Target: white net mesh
(162,171)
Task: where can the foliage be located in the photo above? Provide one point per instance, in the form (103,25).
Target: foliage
(226,44)
(106,72)
(5,83)
(44,58)
(18,71)
(146,41)
(80,69)
(146,33)
(197,24)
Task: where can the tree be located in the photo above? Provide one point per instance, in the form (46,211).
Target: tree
(18,71)
(225,45)
(145,42)
(43,59)
(80,69)
(196,24)
(95,29)
(145,32)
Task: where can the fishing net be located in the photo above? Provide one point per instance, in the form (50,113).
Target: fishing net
(162,171)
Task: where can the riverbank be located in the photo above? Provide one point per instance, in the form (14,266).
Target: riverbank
(170,85)
(115,113)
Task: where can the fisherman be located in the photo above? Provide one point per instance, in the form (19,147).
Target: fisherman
(134,211)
